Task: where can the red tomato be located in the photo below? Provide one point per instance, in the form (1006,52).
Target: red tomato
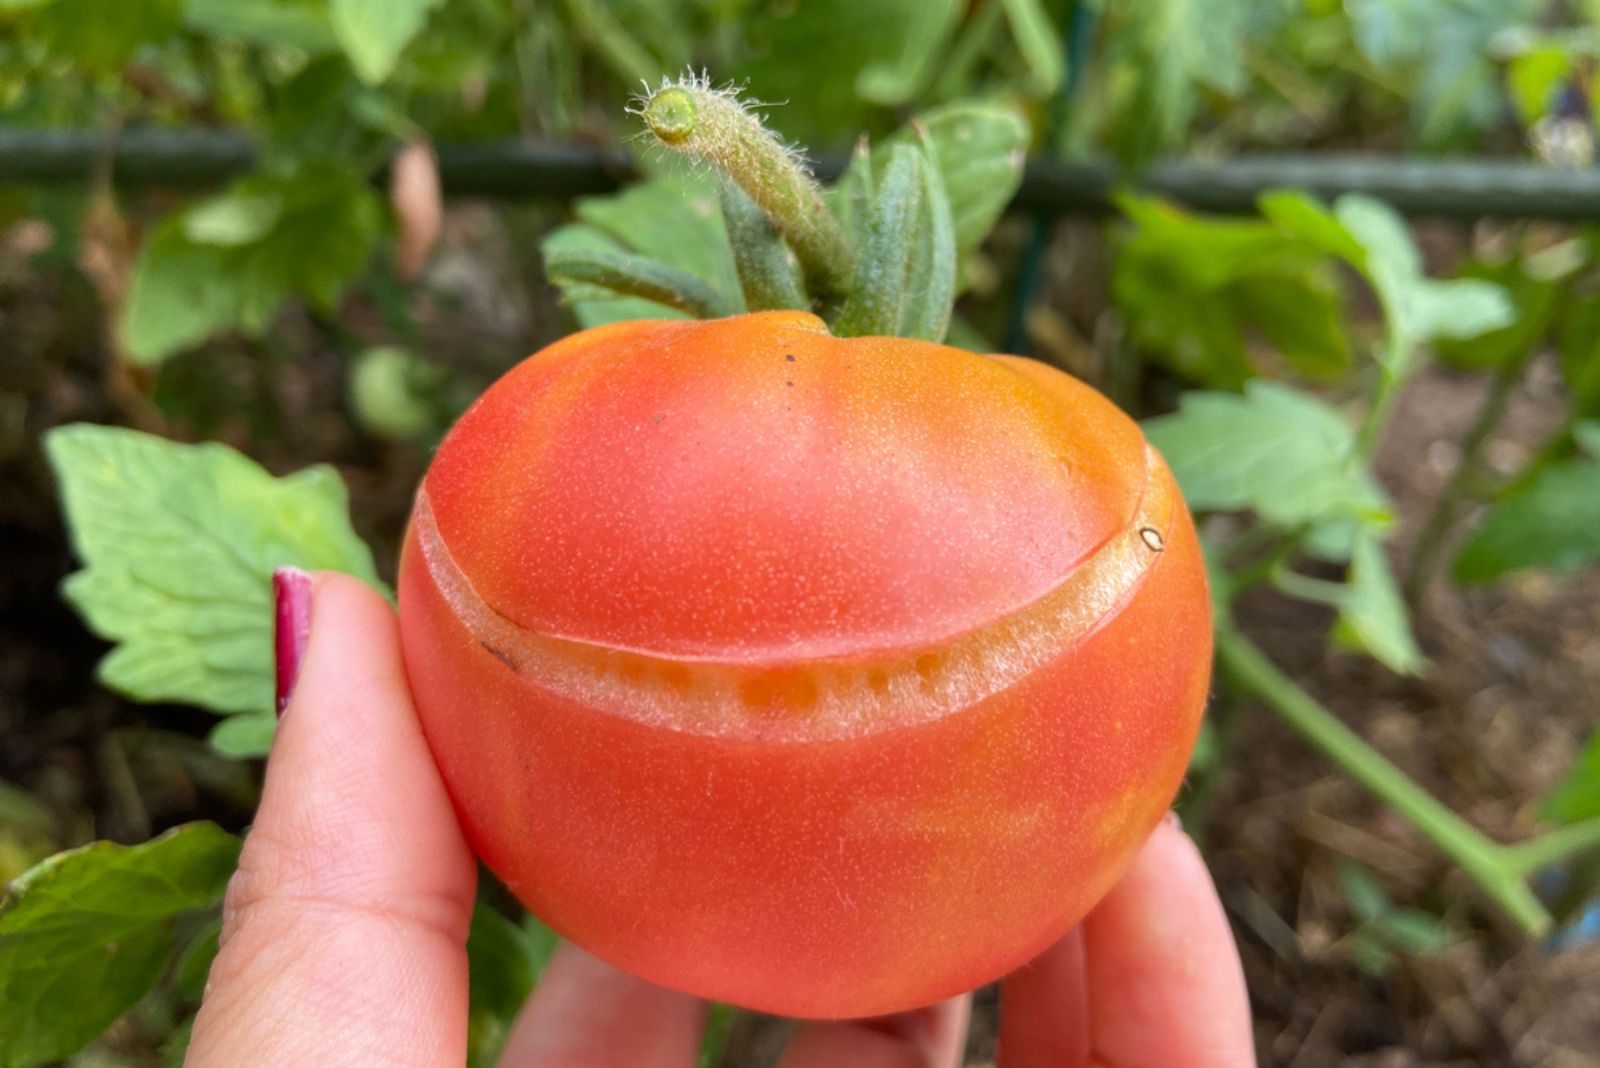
(825,677)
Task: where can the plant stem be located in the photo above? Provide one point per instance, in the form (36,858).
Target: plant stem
(1493,867)
(1584,395)
(1552,846)
(713,125)
(1430,543)
(1382,405)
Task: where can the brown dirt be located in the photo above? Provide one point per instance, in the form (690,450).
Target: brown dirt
(1512,689)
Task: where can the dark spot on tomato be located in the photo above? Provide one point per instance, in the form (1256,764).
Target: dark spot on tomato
(500,655)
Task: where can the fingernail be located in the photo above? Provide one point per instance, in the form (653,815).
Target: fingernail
(1173,820)
(291,597)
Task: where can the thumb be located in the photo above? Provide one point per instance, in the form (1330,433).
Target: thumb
(344,929)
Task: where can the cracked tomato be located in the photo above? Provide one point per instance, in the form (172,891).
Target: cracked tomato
(826,677)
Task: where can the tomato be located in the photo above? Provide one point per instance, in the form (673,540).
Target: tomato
(828,677)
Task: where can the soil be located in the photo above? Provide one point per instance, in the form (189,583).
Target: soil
(1511,691)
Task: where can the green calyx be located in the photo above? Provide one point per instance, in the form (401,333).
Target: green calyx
(878,254)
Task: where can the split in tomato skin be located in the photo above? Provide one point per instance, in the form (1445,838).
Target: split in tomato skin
(806,787)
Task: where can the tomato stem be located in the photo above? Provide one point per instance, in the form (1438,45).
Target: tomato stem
(713,125)
(1498,870)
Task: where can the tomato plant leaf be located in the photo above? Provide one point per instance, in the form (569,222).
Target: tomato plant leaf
(1195,291)
(1417,309)
(179,543)
(884,261)
(979,150)
(1577,797)
(102,37)
(232,261)
(263,22)
(673,219)
(1158,62)
(1273,449)
(1534,302)
(930,289)
(791,43)
(373,33)
(1587,436)
(1552,522)
(895,81)
(1372,614)
(85,934)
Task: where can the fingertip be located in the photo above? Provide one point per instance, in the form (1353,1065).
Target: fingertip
(1166,983)
(587,1012)
(931,1037)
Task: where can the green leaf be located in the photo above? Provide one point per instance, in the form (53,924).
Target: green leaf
(1586,434)
(1534,77)
(1414,931)
(1284,454)
(233,218)
(1552,522)
(1580,353)
(1534,302)
(714,1039)
(1439,55)
(394,393)
(194,963)
(1367,900)
(1162,57)
(1417,309)
(672,219)
(244,734)
(629,275)
(1372,614)
(897,80)
(373,33)
(1195,290)
(769,274)
(979,150)
(179,544)
(263,22)
(612,41)
(1301,315)
(1301,215)
(232,261)
(878,295)
(101,36)
(1578,795)
(930,290)
(1039,43)
(811,56)
(503,961)
(86,933)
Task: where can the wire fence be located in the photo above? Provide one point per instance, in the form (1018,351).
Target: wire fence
(1456,188)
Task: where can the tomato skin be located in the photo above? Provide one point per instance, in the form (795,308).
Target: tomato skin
(850,846)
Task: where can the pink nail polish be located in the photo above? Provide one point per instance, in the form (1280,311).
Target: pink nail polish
(291,596)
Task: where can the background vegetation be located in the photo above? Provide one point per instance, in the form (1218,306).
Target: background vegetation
(1392,430)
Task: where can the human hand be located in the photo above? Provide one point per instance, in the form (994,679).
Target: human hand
(344,930)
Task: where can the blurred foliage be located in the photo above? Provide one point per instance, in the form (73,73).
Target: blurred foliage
(1277,342)
(98,922)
